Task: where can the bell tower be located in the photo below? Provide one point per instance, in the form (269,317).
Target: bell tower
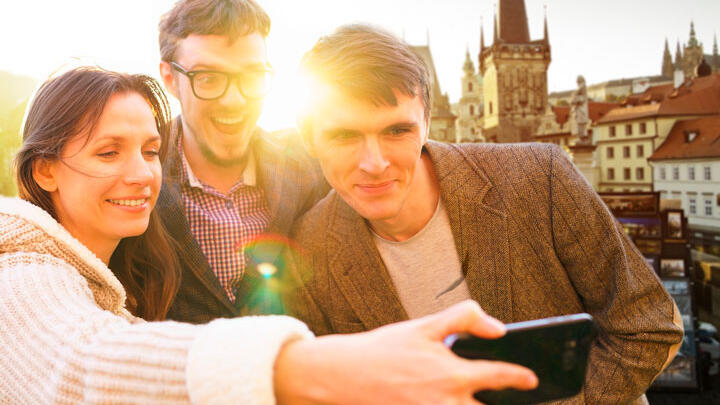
(514,71)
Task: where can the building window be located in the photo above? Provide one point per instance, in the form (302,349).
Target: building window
(707,174)
(611,173)
(628,129)
(626,173)
(708,207)
(640,151)
(490,107)
(626,151)
(643,128)
(676,173)
(692,205)
(691,172)
(610,152)
(469,86)
(640,173)
(472,110)
(662,173)
(612,130)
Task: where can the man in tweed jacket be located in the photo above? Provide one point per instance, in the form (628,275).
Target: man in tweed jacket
(414,225)
(230,191)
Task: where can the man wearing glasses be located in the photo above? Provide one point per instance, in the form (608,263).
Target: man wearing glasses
(230,192)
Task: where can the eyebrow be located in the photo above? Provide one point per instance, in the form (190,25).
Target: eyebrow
(119,139)
(405,124)
(332,132)
(203,66)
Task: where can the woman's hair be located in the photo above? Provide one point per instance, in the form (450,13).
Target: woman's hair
(71,104)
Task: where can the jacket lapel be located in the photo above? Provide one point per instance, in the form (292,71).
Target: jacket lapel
(479,226)
(358,270)
(172,209)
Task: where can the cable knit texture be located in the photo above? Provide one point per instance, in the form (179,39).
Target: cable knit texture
(66,337)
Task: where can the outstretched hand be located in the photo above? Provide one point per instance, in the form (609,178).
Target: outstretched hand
(402,363)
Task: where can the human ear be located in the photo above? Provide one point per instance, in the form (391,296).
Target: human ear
(306,134)
(168,78)
(426,135)
(43,174)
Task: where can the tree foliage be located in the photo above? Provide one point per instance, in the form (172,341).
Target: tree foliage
(13,102)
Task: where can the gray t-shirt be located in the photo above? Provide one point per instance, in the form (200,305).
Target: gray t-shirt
(426,269)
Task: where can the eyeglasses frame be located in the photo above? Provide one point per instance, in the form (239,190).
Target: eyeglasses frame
(232,77)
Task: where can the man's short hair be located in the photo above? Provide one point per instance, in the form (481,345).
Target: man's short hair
(230,18)
(368,63)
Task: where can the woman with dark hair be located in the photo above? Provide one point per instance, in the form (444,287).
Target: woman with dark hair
(72,329)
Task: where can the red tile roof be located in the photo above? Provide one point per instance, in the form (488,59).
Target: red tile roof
(705,144)
(700,96)
(596,111)
(562,114)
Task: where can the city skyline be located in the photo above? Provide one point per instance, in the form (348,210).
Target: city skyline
(602,41)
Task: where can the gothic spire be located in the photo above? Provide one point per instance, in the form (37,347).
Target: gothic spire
(715,55)
(513,22)
(468,66)
(482,36)
(495,27)
(546,37)
(667,64)
(678,56)
(692,42)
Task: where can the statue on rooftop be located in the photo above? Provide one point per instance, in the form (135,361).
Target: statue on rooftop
(579,113)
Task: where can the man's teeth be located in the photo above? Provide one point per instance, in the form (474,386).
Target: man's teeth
(228,121)
(129,203)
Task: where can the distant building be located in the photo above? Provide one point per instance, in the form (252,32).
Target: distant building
(628,135)
(469,108)
(686,167)
(442,123)
(514,71)
(555,126)
(689,57)
(611,91)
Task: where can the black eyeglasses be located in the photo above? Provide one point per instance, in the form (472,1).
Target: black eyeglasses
(213,84)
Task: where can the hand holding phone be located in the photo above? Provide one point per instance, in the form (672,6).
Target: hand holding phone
(556,349)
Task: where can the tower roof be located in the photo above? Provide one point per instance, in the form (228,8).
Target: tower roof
(468,66)
(693,42)
(512,21)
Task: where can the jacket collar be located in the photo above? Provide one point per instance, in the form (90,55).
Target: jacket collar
(479,231)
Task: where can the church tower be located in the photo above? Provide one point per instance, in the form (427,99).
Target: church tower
(469,109)
(667,63)
(693,55)
(514,71)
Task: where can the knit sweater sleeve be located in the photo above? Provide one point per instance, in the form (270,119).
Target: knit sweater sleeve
(58,346)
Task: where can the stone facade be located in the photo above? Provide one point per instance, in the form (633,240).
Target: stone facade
(514,71)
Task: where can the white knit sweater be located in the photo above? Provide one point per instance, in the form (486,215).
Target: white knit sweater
(66,337)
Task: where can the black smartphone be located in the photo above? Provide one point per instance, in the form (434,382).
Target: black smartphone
(556,349)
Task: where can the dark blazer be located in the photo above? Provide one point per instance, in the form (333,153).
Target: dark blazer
(534,241)
(292,183)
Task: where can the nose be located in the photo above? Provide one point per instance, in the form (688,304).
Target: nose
(233,97)
(138,171)
(372,160)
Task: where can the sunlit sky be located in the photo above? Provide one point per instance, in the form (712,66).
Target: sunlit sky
(601,40)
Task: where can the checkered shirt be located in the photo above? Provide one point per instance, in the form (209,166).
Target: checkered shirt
(223,224)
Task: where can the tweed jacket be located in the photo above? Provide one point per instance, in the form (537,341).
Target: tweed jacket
(534,241)
(292,184)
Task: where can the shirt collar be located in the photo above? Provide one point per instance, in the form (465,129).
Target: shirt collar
(249,175)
